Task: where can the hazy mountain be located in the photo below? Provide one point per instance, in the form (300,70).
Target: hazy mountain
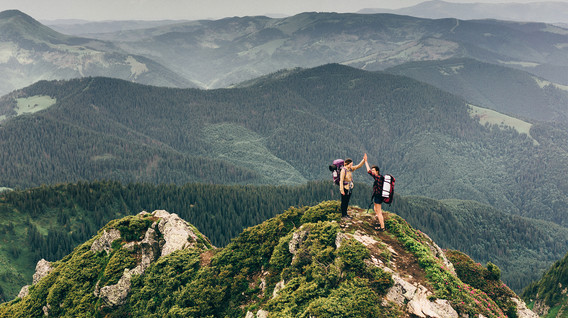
(503,89)
(228,51)
(303,262)
(285,130)
(30,51)
(220,53)
(85,28)
(537,11)
(548,296)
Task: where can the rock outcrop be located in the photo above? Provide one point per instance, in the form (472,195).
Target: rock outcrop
(415,298)
(176,232)
(522,310)
(116,295)
(104,243)
(168,235)
(43,268)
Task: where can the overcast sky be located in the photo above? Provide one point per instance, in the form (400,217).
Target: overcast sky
(98,10)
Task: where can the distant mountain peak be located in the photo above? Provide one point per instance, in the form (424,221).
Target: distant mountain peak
(16,26)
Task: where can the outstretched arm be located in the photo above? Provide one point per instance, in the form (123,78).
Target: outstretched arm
(360,163)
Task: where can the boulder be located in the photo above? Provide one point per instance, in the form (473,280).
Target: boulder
(43,268)
(176,232)
(116,295)
(24,291)
(105,241)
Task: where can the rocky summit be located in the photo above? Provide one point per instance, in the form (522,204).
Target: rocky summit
(305,262)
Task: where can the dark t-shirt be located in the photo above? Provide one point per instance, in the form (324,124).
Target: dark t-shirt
(377,185)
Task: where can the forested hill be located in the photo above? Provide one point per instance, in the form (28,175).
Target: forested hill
(303,262)
(282,130)
(500,88)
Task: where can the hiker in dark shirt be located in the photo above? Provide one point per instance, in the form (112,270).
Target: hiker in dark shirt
(346,183)
(377,196)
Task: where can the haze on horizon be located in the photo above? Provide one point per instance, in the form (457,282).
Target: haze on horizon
(102,10)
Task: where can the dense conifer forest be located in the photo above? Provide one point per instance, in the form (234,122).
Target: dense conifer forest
(285,130)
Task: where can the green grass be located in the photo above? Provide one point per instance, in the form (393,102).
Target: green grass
(34,104)
(503,121)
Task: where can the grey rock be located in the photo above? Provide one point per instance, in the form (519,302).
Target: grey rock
(105,241)
(522,310)
(43,268)
(176,232)
(24,291)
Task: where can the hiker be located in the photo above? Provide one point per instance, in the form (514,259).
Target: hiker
(377,197)
(346,183)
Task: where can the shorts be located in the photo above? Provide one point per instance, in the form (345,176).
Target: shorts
(378,199)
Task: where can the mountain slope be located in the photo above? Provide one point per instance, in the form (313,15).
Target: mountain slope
(284,131)
(300,263)
(503,89)
(31,51)
(548,295)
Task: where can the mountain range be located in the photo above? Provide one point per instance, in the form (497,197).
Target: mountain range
(510,91)
(283,130)
(219,53)
(284,127)
(305,262)
(536,11)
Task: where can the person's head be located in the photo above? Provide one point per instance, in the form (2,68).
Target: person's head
(348,162)
(375,170)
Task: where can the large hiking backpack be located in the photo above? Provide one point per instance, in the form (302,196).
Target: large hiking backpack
(335,169)
(388,189)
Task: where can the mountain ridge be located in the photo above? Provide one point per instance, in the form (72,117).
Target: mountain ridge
(298,263)
(544,11)
(221,53)
(32,51)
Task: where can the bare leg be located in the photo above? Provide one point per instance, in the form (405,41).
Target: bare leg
(379,213)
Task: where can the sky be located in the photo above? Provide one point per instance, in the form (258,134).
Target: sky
(101,10)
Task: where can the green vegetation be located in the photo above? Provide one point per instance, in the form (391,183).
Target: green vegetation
(290,265)
(465,297)
(523,248)
(49,221)
(550,291)
(34,104)
(287,128)
(490,85)
(491,117)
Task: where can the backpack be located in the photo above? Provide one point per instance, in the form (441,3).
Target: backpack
(388,189)
(335,169)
